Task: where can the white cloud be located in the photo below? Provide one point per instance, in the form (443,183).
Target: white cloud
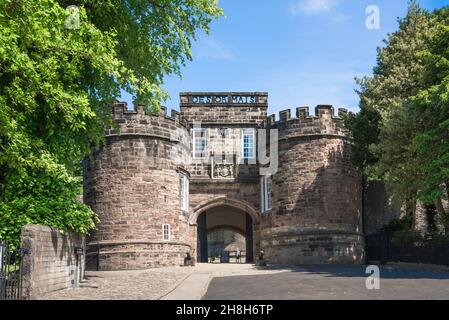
(310,6)
(210,48)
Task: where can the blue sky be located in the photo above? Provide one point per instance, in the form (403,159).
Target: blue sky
(302,52)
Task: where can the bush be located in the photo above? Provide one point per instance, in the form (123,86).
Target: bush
(407,238)
(396,225)
(42,198)
(440,240)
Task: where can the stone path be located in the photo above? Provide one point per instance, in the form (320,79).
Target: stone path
(138,284)
(192,288)
(195,286)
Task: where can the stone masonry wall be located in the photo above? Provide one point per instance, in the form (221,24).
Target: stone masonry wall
(316,193)
(243,184)
(379,209)
(50,262)
(134,187)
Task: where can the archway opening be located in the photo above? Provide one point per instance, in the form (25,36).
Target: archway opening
(225,234)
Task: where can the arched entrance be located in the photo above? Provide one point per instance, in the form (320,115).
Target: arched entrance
(224,227)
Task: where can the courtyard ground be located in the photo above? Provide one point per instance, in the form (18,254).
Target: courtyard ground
(244,281)
(121,285)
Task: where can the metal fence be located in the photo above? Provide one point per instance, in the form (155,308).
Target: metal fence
(10,272)
(384,248)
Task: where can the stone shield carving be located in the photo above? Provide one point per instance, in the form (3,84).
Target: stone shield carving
(223,170)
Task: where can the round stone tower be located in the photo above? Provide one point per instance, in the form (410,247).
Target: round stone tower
(134,184)
(316,202)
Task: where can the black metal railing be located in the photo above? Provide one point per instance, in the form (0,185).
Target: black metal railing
(10,272)
(384,248)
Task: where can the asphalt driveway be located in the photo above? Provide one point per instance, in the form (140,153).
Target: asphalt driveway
(331,282)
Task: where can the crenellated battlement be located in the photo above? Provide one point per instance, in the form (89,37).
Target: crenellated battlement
(120,109)
(139,122)
(323,122)
(321,111)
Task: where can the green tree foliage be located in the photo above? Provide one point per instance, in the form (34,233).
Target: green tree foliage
(57,78)
(395,78)
(365,129)
(401,133)
(430,111)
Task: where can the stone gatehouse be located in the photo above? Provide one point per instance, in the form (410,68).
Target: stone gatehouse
(220,176)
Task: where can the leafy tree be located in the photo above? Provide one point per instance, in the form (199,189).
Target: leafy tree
(365,129)
(407,101)
(430,110)
(56,80)
(395,78)
(381,129)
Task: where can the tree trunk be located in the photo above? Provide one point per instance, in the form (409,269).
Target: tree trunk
(447,190)
(430,218)
(443,215)
(410,210)
(364,182)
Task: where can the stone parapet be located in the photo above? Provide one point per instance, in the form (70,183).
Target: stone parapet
(324,122)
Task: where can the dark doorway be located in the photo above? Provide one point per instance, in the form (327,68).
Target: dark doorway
(225,234)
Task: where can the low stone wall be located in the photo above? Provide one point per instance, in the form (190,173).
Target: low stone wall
(378,207)
(50,262)
(314,248)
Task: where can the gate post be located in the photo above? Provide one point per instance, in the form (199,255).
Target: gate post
(202,238)
(384,239)
(249,239)
(2,271)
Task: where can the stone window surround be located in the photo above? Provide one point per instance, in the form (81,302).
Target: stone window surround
(265,193)
(251,146)
(166,236)
(184,191)
(203,136)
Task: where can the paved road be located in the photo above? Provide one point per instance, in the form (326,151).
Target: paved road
(331,282)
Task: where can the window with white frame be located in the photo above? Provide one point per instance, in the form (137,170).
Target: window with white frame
(184,192)
(166,232)
(266,191)
(248,143)
(199,143)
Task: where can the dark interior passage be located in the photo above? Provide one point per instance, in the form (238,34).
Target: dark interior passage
(223,232)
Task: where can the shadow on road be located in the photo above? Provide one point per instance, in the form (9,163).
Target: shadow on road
(386,272)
